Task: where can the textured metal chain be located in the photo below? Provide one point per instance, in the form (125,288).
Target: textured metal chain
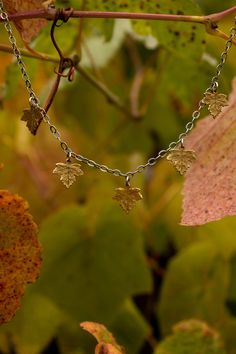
(103,168)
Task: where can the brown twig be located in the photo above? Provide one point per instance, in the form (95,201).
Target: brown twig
(50,14)
(94,67)
(138,77)
(135,93)
(34,55)
(52,93)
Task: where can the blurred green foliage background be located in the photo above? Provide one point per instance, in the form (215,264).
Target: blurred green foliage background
(139,274)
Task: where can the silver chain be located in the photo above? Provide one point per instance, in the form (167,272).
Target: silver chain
(65,147)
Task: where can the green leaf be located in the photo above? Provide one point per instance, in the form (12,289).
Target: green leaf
(182,90)
(34,325)
(191,286)
(12,79)
(231,298)
(102,50)
(193,337)
(13,76)
(89,271)
(130,328)
(66,38)
(183,38)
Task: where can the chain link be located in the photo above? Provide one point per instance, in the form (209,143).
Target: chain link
(103,168)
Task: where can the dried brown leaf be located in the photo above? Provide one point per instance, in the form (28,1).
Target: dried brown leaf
(20,253)
(33,117)
(127,197)
(68,172)
(182,159)
(106,341)
(28,29)
(209,189)
(216,101)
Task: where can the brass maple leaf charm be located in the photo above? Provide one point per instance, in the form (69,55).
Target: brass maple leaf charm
(127,197)
(181,159)
(216,101)
(68,172)
(33,117)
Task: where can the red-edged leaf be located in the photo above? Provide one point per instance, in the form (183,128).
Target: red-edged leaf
(210,186)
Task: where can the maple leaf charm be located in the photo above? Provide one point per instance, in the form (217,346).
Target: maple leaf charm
(216,101)
(127,197)
(182,159)
(33,117)
(68,172)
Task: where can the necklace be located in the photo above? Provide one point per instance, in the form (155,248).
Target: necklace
(176,153)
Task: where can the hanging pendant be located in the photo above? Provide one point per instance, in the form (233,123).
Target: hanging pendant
(33,116)
(182,159)
(127,196)
(215,101)
(68,172)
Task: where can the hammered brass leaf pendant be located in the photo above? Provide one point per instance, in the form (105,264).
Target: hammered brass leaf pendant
(127,197)
(33,117)
(68,172)
(182,159)
(216,101)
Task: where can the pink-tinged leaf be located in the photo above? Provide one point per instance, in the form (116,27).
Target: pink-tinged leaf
(106,342)
(210,185)
(28,29)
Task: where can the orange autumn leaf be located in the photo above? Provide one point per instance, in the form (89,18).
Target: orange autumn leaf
(106,341)
(210,186)
(20,253)
(28,29)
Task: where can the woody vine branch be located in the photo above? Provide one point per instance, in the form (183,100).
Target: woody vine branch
(210,22)
(50,14)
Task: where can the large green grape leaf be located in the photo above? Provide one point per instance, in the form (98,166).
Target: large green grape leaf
(191,286)
(34,325)
(231,298)
(193,337)
(130,328)
(196,286)
(89,270)
(13,77)
(66,38)
(184,38)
